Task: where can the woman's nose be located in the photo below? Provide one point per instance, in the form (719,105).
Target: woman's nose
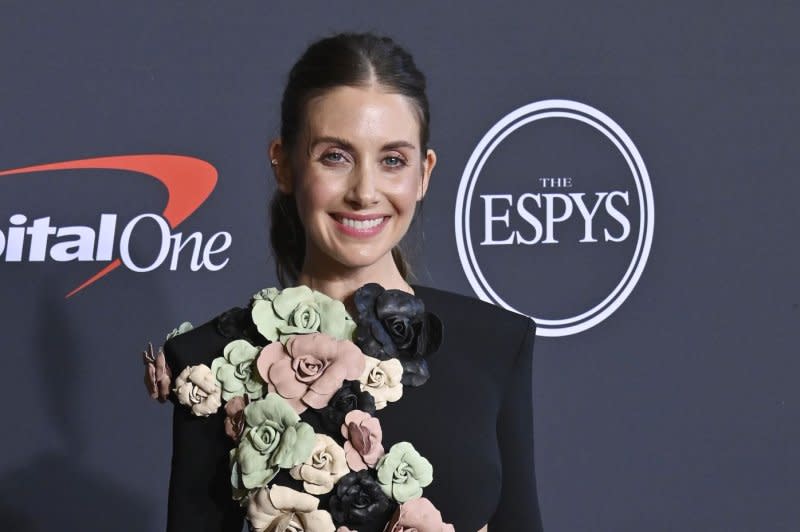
(363,191)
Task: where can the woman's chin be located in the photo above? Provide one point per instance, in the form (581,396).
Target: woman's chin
(359,257)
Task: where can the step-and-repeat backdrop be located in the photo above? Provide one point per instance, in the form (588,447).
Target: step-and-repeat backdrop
(625,174)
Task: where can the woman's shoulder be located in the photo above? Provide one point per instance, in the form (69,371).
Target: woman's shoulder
(466,310)
(189,345)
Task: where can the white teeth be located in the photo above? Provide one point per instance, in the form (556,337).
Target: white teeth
(361,225)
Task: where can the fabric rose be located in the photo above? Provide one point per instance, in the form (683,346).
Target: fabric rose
(197,388)
(418,515)
(157,375)
(267,294)
(299,310)
(235,370)
(382,379)
(234,416)
(363,447)
(310,368)
(348,398)
(180,329)
(358,502)
(237,323)
(283,509)
(273,438)
(403,472)
(394,324)
(325,466)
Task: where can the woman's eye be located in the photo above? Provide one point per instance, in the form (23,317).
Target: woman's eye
(394,161)
(334,157)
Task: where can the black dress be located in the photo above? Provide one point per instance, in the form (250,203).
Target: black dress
(473,420)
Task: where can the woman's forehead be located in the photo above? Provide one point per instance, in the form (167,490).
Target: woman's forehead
(362,115)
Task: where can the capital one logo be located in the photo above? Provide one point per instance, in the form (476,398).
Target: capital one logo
(554,216)
(189,182)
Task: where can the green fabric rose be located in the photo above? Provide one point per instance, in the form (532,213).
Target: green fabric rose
(266,293)
(234,370)
(403,472)
(299,310)
(180,329)
(274,438)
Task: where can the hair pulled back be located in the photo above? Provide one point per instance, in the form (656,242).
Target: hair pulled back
(346,59)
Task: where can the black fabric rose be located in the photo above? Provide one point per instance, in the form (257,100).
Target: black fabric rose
(359,503)
(394,324)
(237,324)
(349,397)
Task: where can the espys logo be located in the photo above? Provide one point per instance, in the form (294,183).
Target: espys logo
(189,182)
(554,216)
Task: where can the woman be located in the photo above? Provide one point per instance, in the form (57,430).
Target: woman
(351,164)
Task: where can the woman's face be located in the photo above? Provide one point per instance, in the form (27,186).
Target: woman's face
(357,173)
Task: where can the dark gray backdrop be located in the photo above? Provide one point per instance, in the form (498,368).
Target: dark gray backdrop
(679,412)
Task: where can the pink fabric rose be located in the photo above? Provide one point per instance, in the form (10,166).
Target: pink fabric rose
(157,375)
(418,515)
(234,416)
(309,369)
(363,447)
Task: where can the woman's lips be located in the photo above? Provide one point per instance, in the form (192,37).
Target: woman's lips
(360,226)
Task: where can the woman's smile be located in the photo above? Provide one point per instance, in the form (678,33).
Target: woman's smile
(360,225)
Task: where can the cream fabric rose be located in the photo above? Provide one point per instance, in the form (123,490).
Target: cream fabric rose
(197,388)
(325,466)
(381,379)
(363,447)
(284,509)
(418,515)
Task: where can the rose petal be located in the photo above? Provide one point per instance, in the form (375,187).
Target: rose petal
(281,378)
(289,298)
(271,354)
(353,457)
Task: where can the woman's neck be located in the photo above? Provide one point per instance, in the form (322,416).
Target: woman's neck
(340,282)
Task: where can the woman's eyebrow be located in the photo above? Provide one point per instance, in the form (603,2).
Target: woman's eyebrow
(349,145)
(331,140)
(398,144)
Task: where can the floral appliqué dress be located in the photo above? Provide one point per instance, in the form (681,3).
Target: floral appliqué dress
(414,414)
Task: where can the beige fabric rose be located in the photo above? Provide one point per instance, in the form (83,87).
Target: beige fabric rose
(381,378)
(197,388)
(310,368)
(325,466)
(363,447)
(418,515)
(282,508)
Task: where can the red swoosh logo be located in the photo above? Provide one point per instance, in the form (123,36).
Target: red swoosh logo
(189,182)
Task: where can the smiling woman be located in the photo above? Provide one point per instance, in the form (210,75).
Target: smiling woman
(354,400)
(357,184)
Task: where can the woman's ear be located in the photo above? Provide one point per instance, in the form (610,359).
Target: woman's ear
(279,161)
(427,168)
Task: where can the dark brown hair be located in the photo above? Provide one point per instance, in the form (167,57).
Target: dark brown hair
(346,59)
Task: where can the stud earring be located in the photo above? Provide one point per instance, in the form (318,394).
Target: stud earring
(274,162)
